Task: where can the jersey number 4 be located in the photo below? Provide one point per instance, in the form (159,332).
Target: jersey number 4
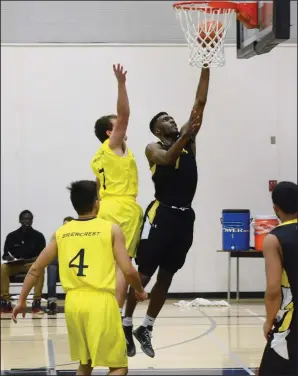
(81,266)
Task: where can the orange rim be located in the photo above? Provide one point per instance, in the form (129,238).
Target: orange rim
(199,5)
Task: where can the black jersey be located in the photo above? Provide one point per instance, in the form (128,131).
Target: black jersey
(175,185)
(287,235)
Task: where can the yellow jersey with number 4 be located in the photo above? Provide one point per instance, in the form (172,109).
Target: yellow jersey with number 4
(118,175)
(85,255)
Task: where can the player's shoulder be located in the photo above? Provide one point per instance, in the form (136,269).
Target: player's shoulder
(105,145)
(103,223)
(271,240)
(99,153)
(65,228)
(58,232)
(153,146)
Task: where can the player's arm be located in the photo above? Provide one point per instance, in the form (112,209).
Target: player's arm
(200,101)
(157,155)
(123,260)
(123,111)
(273,262)
(49,253)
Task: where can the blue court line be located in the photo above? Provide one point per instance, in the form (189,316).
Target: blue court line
(140,317)
(232,355)
(208,331)
(51,357)
(145,371)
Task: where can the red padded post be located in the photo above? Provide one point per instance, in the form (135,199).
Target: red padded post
(247,13)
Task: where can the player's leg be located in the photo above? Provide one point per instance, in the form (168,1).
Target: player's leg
(127,321)
(147,258)
(157,299)
(104,333)
(76,303)
(131,226)
(172,259)
(85,369)
(159,295)
(273,364)
(110,210)
(128,215)
(36,304)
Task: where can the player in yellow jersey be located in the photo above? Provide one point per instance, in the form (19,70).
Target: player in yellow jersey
(87,249)
(116,174)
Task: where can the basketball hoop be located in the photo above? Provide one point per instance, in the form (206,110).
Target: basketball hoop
(205,25)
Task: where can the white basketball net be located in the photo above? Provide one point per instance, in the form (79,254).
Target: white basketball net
(207,51)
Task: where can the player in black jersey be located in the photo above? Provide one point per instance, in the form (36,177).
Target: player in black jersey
(281,257)
(167,233)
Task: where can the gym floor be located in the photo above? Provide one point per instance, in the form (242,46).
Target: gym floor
(197,341)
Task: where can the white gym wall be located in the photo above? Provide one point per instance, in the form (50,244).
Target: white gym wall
(52,95)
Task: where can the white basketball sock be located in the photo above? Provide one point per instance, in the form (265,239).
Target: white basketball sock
(148,321)
(127,321)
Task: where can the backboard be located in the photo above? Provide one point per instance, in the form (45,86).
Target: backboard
(274,28)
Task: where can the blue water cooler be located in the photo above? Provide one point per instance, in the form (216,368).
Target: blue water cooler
(235,229)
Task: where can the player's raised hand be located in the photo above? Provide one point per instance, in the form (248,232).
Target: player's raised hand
(120,73)
(19,308)
(141,296)
(193,125)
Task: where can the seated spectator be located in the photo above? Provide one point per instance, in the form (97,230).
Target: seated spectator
(52,280)
(26,244)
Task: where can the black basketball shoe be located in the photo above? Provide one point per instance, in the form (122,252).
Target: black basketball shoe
(52,308)
(36,307)
(143,335)
(130,345)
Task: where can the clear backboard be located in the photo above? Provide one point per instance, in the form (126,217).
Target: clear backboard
(274,28)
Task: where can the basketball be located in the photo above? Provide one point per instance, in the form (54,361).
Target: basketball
(207,32)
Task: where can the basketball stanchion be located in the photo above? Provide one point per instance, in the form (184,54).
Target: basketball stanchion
(205,25)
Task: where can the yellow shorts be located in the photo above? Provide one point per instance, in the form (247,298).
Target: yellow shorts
(126,213)
(95,329)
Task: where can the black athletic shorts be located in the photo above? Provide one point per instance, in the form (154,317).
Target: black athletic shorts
(166,238)
(273,364)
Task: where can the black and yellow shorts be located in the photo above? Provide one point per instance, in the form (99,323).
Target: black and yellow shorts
(166,237)
(273,364)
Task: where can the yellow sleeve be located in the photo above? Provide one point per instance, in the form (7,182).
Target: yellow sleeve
(94,168)
(96,163)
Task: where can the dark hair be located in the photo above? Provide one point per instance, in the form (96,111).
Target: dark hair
(83,195)
(68,219)
(285,196)
(154,120)
(25,212)
(103,125)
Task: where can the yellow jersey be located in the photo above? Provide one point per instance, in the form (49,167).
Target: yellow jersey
(85,255)
(118,175)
